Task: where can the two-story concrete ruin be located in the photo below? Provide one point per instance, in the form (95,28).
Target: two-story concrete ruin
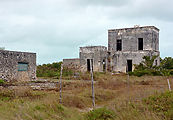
(126,47)
(17,66)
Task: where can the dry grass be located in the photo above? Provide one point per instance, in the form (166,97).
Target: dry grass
(113,91)
(125,97)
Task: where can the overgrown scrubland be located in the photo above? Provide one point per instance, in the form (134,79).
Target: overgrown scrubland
(117,98)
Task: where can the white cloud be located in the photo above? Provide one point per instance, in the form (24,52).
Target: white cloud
(54,29)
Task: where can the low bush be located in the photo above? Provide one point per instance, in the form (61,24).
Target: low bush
(2,81)
(49,70)
(100,114)
(140,73)
(52,70)
(161,104)
(148,67)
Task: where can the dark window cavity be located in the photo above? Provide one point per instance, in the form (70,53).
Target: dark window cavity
(22,66)
(155,44)
(140,43)
(119,45)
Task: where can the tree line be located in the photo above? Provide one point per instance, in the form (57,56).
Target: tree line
(52,70)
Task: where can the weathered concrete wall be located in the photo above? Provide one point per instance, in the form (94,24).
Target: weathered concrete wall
(129,37)
(117,60)
(9,66)
(97,53)
(72,63)
(114,60)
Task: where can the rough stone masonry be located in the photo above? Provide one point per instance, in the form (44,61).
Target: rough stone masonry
(17,66)
(95,54)
(126,47)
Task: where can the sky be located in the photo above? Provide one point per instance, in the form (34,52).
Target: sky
(55,29)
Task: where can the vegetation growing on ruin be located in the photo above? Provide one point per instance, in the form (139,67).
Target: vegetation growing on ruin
(167,63)
(148,67)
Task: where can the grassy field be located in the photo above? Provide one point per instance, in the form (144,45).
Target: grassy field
(116,99)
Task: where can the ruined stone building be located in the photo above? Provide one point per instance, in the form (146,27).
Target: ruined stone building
(17,66)
(95,54)
(126,47)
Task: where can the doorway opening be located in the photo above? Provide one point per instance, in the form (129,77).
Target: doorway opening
(89,64)
(129,65)
(104,65)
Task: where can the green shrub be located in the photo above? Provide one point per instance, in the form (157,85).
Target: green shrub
(52,70)
(161,104)
(40,107)
(167,63)
(140,73)
(49,70)
(100,114)
(2,81)
(147,67)
(171,72)
(67,72)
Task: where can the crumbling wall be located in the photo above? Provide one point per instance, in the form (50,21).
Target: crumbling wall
(9,66)
(129,37)
(72,63)
(120,59)
(97,53)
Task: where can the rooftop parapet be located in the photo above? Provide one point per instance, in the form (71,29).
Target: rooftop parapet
(135,27)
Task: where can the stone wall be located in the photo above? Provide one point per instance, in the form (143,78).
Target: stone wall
(43,85)
(117,60)
(114,60)
(97,53)
(129,37)
(37,85)
(72,63)
(9,66)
